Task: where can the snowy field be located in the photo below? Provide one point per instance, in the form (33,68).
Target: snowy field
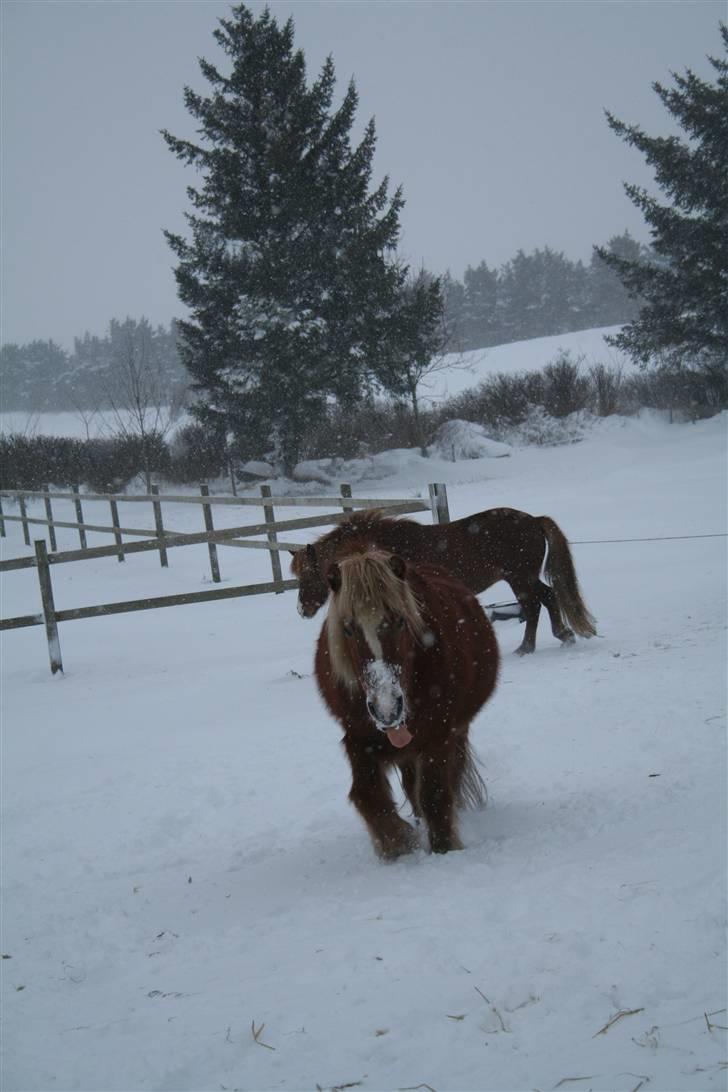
(191,903)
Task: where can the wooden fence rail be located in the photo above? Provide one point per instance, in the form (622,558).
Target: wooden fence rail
(161,534)
(163,539)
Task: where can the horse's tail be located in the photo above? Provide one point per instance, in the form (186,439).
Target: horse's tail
(471,790)
(561,575)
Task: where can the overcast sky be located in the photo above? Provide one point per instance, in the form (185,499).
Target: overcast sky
(489,114)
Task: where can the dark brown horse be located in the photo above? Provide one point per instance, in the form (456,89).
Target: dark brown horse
(498,544)
(405,660)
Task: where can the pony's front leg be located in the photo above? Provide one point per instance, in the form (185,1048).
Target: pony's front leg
(410,774)
(372,797)
(437,799)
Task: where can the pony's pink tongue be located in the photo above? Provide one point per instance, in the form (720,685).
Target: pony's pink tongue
(399,736)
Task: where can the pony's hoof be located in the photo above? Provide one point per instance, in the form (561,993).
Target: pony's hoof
(389,849)
(446,845)
(524,651)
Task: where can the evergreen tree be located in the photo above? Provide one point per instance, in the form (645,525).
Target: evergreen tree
(519,299)
(561,285)
(30,374)
(608,301)
(480,306)
(684,317)
(453,298)
(287,272)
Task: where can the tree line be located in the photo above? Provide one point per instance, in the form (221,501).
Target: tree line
(539,294)
(132,362)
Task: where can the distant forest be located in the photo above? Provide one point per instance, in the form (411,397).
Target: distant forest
(536,295)
(533,295)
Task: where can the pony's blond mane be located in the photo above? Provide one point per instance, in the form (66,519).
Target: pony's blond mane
(370,590)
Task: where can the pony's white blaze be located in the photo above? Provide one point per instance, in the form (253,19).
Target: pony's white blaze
(369,629)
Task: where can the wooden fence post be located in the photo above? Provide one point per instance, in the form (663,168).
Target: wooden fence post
(24,518)
(117,532)
(275,557)
(2,521)
(160,528)
(209,526)
(79,515)
(438,503)
(49,517)
(49,610)
(345,491)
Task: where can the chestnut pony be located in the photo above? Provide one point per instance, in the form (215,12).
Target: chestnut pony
(405,660)
(497,544)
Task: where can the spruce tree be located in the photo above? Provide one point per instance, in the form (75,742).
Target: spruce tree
(608,301)
(481,306)
(31,375)
(684,315)
(519,299)
(288,273)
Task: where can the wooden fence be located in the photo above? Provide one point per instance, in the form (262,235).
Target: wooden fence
(162,540)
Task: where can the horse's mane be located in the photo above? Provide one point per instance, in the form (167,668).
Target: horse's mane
(370,589)
(339,537)
(357,524)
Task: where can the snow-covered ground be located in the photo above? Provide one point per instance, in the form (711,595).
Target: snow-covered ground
(190,902)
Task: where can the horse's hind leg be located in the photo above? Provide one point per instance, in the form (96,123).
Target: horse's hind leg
(527,595)
(437,798)
(371,795)
(559,628)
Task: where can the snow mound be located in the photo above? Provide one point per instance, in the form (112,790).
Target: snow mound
(373,468)
(465,440)
(255,468)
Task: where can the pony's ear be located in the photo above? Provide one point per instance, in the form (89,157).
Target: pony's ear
(333,577)
(398,566)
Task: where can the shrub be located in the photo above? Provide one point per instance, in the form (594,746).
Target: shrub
(606,390)
(196,454)
(565,389)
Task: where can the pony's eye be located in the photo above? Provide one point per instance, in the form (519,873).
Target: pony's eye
(348,629)
(400,621)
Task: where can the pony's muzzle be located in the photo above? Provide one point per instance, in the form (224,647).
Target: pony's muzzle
(387,720)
